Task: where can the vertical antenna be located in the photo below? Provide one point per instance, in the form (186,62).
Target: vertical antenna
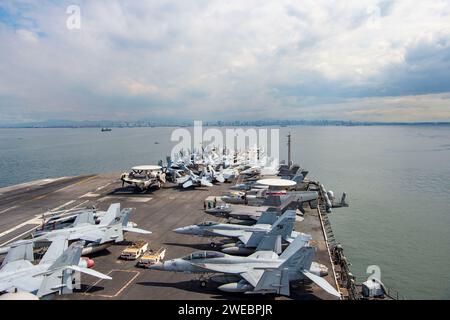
(289,149)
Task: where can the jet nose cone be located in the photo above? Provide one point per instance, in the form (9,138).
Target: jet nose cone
(180,230)
(157,266)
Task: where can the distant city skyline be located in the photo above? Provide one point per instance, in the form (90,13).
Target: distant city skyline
(218,123)
(360,61)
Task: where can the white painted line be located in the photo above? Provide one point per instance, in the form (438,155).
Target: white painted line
(61,212)
(20,235)
(36,221)
(89,195)
(128,199)
(6,210)
(102,187)
(137,273)
(138,199)
(63,205)
(79,205)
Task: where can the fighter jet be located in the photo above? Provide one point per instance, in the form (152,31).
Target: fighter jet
(97,236)
(192,179)
(249,236)
(209,228)
(260,273)
(53,274)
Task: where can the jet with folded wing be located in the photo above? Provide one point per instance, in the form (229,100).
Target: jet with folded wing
(260,273)
(248,237)
(96,236)
(194,180)
(53,274)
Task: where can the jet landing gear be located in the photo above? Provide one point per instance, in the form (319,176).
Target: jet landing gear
(203,281)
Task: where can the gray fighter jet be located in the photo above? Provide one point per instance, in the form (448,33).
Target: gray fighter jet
(53,274)
(249,236)
(262,272)
(97,236)
(208,228)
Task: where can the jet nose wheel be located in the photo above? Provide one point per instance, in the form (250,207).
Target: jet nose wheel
(213,244)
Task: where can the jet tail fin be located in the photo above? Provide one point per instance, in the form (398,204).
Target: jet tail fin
(111,215)
(70,256)
(58,278)
(84,217)
(284,225)
(277,280)
(56,249)
(270,243)
(20,251)
(267,217)
(125,216)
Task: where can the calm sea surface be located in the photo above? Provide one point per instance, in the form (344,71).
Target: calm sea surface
(397,180)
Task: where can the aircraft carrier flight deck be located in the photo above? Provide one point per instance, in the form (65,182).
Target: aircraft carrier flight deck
(160,211)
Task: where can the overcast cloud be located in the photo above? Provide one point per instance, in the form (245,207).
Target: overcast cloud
(211,60)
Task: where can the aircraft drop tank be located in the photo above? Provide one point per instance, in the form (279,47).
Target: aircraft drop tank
(236,287)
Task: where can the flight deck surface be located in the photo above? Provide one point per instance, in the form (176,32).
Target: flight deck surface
(159,211)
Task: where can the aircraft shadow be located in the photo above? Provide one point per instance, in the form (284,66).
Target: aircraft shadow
(129,190)
(100,253)
(302,290)
(181,189)
(211,288)
(88,289)
(197,246)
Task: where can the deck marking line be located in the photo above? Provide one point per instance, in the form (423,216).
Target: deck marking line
(63,205)
(137,273)
(6,210)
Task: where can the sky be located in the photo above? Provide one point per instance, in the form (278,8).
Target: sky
(365,60)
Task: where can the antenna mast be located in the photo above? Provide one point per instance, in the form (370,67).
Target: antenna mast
(289,149)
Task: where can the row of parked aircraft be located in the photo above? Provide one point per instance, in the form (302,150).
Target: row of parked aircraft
(200,169)
(67,239)
(261,253)
(256,262)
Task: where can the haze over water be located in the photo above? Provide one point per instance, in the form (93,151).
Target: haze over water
(397,180)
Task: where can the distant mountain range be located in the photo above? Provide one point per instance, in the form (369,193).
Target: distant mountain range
(172,123)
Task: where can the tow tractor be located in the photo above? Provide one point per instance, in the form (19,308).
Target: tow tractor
(151,257)
(134,251)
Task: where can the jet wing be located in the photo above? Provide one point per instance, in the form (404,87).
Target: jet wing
(91,236)
(22,284)
(16,265)
(187,184)
(90,272)
(249,274)
(243,236)
(225,268)
(321,282)
(136,230)
(253,276)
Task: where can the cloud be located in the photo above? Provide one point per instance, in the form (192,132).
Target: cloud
(225,60)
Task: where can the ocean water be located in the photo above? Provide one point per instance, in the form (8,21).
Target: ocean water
(397,179)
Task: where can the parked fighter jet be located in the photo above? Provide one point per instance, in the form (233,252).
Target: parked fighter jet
(209,228)
(249,236)
(262,272)
(97,236)
(53,274)
(192,179)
